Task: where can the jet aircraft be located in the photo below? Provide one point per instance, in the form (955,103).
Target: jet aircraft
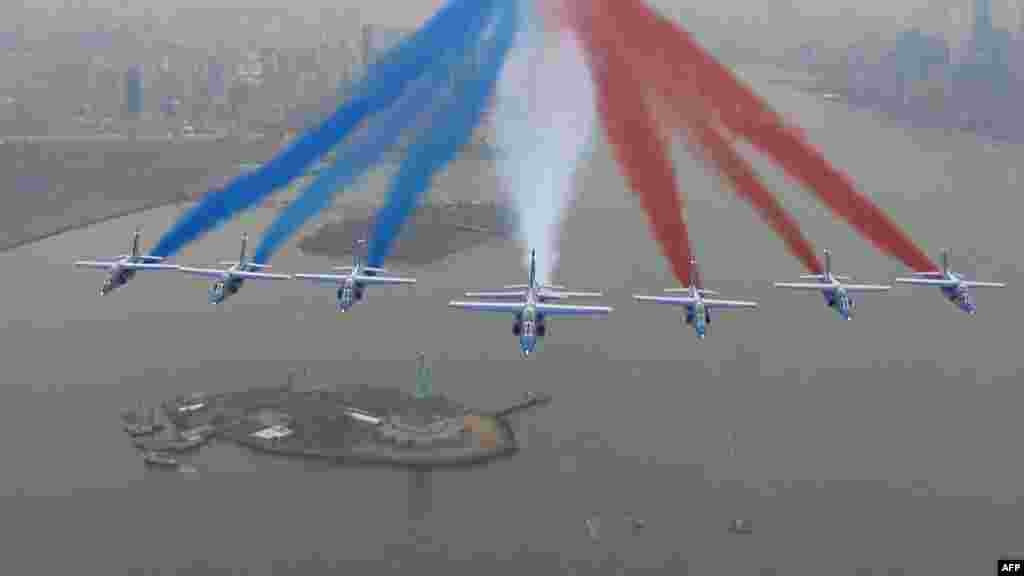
(698,307)
(954,287)
(353,280)
(228,281)
(532,308)
(123,268)
(837,294)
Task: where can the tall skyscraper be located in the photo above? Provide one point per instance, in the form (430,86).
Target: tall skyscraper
(215,78)
(133,92)
(982,18)
(1015,17)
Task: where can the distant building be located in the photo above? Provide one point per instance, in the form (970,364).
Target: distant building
(215,78)
(423,385)
(133,93)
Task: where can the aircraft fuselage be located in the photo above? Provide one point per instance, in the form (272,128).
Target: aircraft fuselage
(699,316)
(118,277)
(959,295)
(349,293)
(223,289)
(841,301)
(530,326)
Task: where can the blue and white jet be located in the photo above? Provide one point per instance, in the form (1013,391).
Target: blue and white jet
(123,268)
(954,287)
(532,307)
(353,280)
(228,281)
(698,307)
(838,295)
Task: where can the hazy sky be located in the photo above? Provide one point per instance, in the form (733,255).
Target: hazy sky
(414,10)
(754,21)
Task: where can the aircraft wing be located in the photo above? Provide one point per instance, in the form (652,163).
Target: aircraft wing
(866,287)
(148,266)
(383,280)
(977,284)
(804,285)
(564,294)
(215,273)
(729,304)
(97,264)
(572,310)
(323,278)
(676,300)
(487,306)
(251,275)
(703,291)
(840,277)
(498,294)
(941,282)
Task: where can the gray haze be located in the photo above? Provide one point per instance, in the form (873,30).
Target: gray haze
(888,445)
(774,23)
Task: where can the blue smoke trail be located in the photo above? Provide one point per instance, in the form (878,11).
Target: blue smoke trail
(359,154)
(384,83)
(439,145)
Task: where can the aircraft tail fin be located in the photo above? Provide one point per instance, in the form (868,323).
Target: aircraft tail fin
(241,253)
(356,258)
(533,268)
(828,261)
(695,279)
(945,261)
(135,242)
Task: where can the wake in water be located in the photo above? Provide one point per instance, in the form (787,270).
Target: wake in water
(545,116)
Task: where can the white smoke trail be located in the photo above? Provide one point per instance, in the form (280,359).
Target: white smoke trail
(544,120)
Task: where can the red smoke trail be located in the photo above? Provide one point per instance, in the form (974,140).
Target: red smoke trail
(655,38)
(747,185)
(636,141)
(708,143)
(717,150)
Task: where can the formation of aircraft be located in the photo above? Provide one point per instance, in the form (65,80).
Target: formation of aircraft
(353,280)
(123,268)
(531,307)
(698,306)
(532,303)
(953,286)
(228,281)
(838,294)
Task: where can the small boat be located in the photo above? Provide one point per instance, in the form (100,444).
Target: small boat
(160,459)
(741,527)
